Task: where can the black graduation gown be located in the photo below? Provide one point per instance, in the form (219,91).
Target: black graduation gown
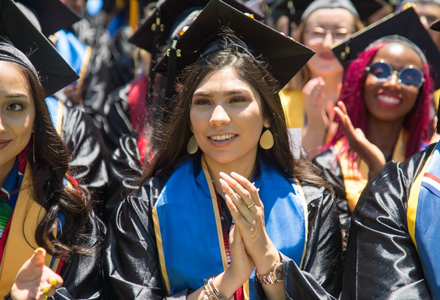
(332,172)
(105,176)
(381,259)
(131,262)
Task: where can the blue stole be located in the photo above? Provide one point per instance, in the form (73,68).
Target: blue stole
(71,49)
(55,108)
(423,220)
(189,231)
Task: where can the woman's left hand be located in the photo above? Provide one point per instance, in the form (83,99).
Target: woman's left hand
(248,212)
(368,151)
(35,280)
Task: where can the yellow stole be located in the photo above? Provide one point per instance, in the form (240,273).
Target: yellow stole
(355,173)
(21,244)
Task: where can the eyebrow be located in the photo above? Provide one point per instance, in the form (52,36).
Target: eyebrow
(228,93)
(17,95)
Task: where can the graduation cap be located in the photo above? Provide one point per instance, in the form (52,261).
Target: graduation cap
(405,23)
(167,12)
(284,55)
(52,15)
(54,72)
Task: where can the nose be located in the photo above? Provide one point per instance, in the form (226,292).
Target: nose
(328,39)
(393,80)
(219,116)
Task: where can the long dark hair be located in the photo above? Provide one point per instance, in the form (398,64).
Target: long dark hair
(175,132)
(49,173)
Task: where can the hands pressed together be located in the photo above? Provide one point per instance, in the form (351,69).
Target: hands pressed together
(250,244)
(34,280)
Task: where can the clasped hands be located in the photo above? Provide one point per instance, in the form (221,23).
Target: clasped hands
(250,245)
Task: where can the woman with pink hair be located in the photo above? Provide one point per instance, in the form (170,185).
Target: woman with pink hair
(383,112)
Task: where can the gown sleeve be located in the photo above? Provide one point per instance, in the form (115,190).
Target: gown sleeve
(321,274)
(332,172)
(382,261)
(131,263)
(105,175)
(132,269)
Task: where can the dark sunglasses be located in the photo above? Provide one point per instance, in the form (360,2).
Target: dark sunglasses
(408,76)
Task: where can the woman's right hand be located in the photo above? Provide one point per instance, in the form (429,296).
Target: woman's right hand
(34,280)
(369,152)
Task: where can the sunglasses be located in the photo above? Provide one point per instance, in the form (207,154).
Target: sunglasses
(408,76)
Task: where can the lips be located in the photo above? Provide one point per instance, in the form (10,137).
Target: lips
(388,99)
(222,139)
(4,143)
(327,55)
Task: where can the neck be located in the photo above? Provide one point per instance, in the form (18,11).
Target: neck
(4,171)
(245,167)
(384,135)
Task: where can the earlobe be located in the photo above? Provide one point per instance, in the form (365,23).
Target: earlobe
(266,123)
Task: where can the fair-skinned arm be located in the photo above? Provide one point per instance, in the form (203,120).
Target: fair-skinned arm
(317,119)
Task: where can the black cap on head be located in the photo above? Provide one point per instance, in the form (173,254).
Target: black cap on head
(52,15)
(284,55)
(405,23)
(54,72)
(168,12)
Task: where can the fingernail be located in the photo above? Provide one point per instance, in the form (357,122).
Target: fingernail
(233,174)
(222,181)
(46,290)
(54,282)
(222,174)
(45,298)
(253,183)
(258,189)
(40,249)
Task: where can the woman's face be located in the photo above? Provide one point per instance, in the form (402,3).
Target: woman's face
(17,113)
(323,28)
(227,118)
(389,100)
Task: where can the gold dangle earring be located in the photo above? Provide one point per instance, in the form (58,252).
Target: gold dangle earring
(192,145)
(266,140)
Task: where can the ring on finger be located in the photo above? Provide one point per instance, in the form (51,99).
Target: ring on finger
(251,205)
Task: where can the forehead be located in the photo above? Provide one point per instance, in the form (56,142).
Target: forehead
(224,78)
(331,17)
(399,55)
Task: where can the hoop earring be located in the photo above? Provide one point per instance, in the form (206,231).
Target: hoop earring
(266,140)
(33,147)
(192,145)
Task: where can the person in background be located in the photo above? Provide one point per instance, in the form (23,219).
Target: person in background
(226,209)
(383,114)
(309,98)
(395,225)
(49,235)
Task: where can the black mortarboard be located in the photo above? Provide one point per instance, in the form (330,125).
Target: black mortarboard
(405,23)
(54,72)
(169,11)
(284,55)
(52,15)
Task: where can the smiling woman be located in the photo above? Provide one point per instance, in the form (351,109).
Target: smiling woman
(219,215)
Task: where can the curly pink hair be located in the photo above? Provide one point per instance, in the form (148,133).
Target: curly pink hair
(352,94)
